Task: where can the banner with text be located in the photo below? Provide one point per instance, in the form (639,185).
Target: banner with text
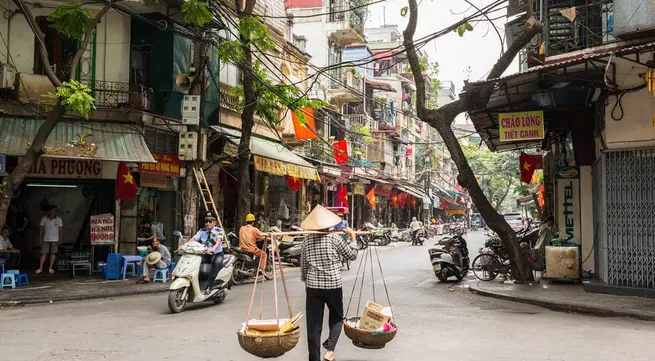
(167,165)
(521,126)
(281,168)
(102,230)
(568,203)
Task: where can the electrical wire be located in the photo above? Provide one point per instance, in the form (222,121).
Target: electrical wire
(320,14)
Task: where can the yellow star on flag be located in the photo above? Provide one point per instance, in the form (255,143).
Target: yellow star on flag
(128,178)
(526,166)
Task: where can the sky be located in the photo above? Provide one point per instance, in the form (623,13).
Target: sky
(455,54)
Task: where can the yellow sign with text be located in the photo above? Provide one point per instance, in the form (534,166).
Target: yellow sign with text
(521,126)
(281,168)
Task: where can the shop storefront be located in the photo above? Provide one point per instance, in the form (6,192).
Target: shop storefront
(76,175)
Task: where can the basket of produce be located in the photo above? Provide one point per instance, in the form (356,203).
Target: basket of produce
(264,339)
(366,338)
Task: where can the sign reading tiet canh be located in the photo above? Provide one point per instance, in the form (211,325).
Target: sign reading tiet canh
(521,126)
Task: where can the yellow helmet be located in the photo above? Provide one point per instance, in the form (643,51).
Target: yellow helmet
(250,217)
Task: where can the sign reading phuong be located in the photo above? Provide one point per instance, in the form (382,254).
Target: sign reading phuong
(521,126)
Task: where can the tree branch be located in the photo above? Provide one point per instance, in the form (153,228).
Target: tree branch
(43,52)
(87,38)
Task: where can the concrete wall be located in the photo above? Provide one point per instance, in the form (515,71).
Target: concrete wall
(636,128)
(17,44)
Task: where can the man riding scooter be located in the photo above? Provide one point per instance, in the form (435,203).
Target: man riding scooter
(248,236)
(211,237)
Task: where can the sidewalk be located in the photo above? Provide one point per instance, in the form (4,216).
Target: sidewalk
(569,298)
(57,288)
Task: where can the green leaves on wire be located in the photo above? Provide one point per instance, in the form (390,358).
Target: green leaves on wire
(463,28)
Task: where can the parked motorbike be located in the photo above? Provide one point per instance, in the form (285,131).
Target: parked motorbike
(419,237)
(379,236)
(191,278)
(452,259)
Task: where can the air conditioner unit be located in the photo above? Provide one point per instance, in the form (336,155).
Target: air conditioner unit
(7,76)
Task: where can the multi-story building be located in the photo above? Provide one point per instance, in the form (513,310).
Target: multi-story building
(589,84)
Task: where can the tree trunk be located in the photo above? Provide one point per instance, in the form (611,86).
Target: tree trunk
(442,118)
(247,122)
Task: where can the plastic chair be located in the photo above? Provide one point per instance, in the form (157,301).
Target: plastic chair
(161,275)
(131,269)
(22,280)
(11,277)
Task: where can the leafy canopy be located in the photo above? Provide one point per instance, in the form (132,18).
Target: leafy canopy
(196,12)
(272,99)
(74,96)
(71,20)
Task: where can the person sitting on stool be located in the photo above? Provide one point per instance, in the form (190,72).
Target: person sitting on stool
(159,258)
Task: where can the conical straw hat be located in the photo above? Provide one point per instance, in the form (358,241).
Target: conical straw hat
(319,219)
(153,258)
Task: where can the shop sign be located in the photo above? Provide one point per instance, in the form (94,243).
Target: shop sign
(167,165)
(358,189)
(269,165)
(383,189)
(67,168)
(298,171)
(456,212)
(3,164)
(521,126)
(102,229)
(568,204)
(153,181)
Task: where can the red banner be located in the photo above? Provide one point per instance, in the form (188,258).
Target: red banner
(167,165)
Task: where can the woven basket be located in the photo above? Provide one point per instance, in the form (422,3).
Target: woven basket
(367,339)
(269,346)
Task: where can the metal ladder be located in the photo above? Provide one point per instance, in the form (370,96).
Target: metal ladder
(208,200)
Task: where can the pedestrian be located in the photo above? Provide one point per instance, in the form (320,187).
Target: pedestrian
(159,258)
(51,234)
(157,232)
(320,269)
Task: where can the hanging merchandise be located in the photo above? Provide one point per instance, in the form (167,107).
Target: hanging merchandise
(376,326)
(283,210)
(273,337)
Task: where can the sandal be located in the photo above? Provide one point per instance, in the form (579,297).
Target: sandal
(51,271)
(38,271)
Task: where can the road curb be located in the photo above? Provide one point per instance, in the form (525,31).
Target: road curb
(562,306)
(12,304)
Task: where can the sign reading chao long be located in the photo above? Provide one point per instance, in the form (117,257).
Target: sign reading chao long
(521,126)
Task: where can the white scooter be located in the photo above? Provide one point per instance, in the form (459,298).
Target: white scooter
(191,277)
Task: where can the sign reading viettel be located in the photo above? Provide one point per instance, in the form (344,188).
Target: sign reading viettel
(167,165)
(521,126)
(102,229)
(568,203)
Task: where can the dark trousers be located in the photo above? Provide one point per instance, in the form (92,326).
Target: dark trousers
(316,300)
(217,264)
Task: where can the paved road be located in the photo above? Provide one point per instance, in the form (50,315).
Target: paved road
(437,321)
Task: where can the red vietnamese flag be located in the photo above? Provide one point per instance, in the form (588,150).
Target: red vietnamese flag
(341,151)
(294,183)
(304,129)
(394,199)
(125,183)
(371,198)
(528,165)
(414,203)
(342,195)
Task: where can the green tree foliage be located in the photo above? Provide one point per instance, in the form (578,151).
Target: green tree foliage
(71,20)
(74,96)
(272,98)
(498,174)
(196,12)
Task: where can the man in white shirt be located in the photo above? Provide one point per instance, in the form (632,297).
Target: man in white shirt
(7,250)
(50,234)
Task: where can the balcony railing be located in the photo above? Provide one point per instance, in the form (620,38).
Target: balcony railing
(110,94)
(574,25)
(345,79)
(353,18)
(227,100)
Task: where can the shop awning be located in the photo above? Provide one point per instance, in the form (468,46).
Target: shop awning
(271,157)
(411,191)
(101,141)
(380,85)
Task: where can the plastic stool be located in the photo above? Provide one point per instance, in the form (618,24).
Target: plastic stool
(11,277)
(132,271)
(2,266)
(161,274)
(172,267)
(22,280)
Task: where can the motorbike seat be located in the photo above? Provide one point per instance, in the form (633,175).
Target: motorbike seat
(286,245)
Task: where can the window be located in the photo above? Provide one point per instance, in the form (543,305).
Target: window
(161,141)
(61,50)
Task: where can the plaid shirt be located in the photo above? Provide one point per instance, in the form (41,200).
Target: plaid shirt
(320,261)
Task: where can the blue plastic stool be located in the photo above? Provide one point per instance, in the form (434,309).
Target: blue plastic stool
(22,280)
(2,266)
(161,274)
(11,277)
(132,271)
(172,267)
